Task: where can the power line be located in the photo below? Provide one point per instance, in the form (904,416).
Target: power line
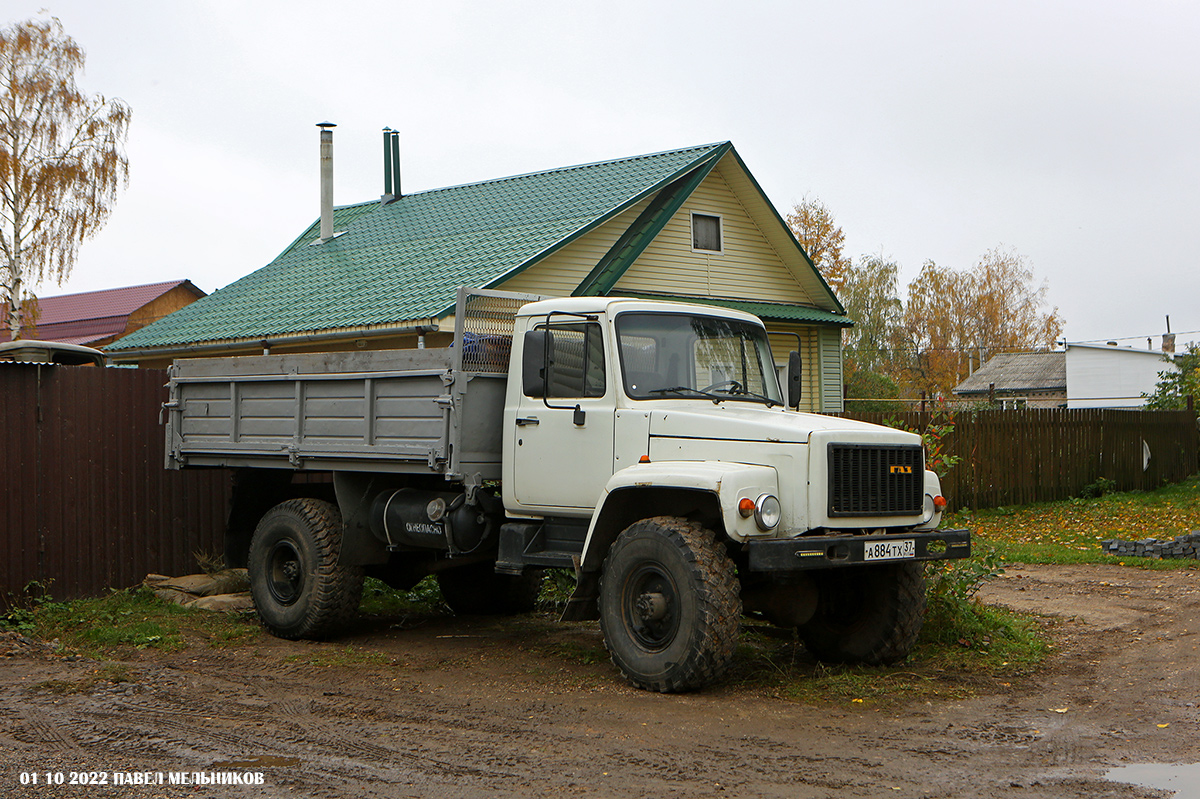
(1131,338)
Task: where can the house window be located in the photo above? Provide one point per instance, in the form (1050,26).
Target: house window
(706,233)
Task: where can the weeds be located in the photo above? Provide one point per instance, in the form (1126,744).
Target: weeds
(132,617)
(20,611)
(556,590)
(1097,489)
(963,633)
(209,562)
(380,599)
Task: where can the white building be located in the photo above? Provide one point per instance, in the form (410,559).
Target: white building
(1107,376)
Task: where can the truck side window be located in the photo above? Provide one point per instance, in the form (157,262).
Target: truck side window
(576,368)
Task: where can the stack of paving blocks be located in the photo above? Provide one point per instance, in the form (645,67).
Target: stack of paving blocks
(1182,546)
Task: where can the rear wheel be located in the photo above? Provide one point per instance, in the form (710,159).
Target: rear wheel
(299,590)
(669,605)
(477,590)
(867,614)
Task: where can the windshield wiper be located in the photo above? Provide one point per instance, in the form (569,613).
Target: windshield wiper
(688,390)
(724,395)
(771,402)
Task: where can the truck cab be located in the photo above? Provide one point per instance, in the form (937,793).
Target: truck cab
(654,398)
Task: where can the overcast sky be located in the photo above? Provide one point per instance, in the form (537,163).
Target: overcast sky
(1067,131)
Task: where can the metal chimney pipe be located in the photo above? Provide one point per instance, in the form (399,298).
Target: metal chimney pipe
(326,179)
(396,164)
(387,167)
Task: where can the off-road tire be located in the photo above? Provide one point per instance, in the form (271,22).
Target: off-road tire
(670,605)
(867,614)
(477,590)
(299,590)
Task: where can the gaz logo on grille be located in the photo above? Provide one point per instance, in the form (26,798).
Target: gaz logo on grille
(900,469)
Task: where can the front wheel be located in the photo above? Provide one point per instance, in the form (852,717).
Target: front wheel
(298,588)
(669,605)
(866,614)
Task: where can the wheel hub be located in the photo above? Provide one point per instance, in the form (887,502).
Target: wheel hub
(285,577)
(651,607)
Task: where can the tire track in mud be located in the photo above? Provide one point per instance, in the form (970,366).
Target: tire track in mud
(44,732)
(490,743)
(185,724)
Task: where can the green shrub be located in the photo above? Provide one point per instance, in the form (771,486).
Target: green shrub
(1099,488)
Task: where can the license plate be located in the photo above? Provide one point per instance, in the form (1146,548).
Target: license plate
(890,550)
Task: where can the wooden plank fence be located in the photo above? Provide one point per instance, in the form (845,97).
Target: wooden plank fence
(1014,457)
(85,503)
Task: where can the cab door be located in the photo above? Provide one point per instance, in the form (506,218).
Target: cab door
(563,437)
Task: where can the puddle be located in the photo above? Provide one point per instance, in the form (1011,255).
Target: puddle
(1183,779)
(261,761)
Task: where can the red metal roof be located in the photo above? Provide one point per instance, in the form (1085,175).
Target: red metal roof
(93,315)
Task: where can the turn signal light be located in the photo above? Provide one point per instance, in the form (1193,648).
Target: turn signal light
(746,507)
(939,502)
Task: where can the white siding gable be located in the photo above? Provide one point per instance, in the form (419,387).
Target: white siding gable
(1111,377)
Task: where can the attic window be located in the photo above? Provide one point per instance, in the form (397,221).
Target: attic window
(706,233)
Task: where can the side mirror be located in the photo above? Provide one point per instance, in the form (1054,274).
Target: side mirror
(793,381)
(536,355)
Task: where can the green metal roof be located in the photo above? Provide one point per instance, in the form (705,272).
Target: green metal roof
(775,311)
(403,261)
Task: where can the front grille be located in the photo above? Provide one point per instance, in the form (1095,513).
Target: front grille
(874,480)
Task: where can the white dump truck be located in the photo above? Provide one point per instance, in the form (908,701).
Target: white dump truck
(646,446)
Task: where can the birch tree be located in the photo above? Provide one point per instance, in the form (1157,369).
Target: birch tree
(62,160)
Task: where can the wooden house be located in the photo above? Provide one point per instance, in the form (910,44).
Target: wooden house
(97,318)
(689,224)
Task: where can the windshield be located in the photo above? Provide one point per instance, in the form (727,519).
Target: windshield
(681,356)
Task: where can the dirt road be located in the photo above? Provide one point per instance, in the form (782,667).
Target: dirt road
(480,708)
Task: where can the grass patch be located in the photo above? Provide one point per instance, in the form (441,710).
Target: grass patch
(1070,531)
(133,617)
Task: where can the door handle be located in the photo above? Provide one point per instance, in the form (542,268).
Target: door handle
(522,421)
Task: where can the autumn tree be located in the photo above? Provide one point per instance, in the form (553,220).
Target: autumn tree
(1177,382)
(926,343)
(821,237)
(951,315)
(62,160)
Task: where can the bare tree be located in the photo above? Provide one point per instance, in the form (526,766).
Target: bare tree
(62,160)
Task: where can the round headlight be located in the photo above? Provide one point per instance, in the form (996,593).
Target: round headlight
(767,511)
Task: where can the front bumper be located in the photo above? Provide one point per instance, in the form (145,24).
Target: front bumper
(829,551)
